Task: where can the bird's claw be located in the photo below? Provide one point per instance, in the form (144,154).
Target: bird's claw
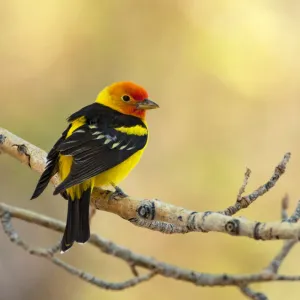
(117,194)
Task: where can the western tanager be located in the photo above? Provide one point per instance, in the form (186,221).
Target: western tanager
(102,144)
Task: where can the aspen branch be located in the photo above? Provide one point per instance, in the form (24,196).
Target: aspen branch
(7,212)
(163,217)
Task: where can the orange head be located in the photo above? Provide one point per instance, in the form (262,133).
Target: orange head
(127,98)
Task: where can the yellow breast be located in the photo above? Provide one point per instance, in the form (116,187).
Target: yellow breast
(118,173)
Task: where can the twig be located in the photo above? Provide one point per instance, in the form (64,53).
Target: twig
(278,259)
(275,264)
(252,294)
(244,202)
(284,206)
(288,245)
(296,215)
(133,269)
(49,255)
(245,182)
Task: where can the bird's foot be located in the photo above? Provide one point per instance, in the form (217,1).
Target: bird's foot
(117,194)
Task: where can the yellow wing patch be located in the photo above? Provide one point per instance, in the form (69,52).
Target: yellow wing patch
(76,124)
(134,130)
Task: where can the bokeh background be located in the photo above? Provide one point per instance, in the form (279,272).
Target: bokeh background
(226,75)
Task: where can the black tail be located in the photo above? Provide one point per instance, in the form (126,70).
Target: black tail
(78,225)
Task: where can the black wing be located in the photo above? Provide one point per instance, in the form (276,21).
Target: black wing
(97,146)
(51,166)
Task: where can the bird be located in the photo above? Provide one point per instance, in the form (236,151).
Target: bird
(103,142)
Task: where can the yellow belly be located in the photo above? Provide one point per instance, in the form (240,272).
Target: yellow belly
(118,173)
(112,176)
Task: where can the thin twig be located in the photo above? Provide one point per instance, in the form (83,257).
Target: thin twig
(294,218)
(275,264)
(54,249)
(284,207)
(133,269)
(49,255)
(278,259)
(244,185)
(252,294)
(245,201)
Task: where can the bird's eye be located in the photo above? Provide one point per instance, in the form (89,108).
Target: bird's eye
(125,98)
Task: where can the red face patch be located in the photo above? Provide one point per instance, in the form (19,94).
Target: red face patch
(136,92)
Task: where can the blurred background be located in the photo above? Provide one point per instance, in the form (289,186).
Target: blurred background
(226,76)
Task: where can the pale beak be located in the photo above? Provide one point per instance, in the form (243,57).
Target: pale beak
(147,104)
